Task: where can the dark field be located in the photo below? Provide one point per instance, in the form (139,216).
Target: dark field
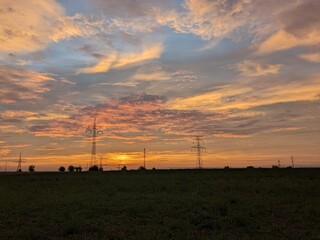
(173,204)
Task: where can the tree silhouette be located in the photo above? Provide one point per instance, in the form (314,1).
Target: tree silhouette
(62,169)
(31,168)
(71,168)
(93,168)
(124,168)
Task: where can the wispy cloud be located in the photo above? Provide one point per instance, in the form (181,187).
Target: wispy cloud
(250,68)
(22,85)
(122,60)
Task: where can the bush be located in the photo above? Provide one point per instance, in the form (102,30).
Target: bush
(141,168)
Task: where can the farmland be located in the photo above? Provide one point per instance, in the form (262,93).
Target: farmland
(162,204)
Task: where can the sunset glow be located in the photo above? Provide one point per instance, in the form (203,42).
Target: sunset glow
(243,74)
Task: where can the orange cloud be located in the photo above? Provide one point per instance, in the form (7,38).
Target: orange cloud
(17,84)
(283,40)
(250,68)
(116,60)
(245,96)
(311,57)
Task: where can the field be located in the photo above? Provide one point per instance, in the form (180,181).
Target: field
(166,204)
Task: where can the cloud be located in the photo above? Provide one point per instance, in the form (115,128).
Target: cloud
(151,76)
(250,68)
(26,26)
(247,95)
(4,152)
(283,40)
(311,57)
(123,60)
(299,27)
(22,85)
(31,26)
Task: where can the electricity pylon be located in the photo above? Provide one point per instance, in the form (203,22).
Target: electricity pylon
(199,149)
(19,164)
(95,131)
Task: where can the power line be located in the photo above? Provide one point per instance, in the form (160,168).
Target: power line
(199,149)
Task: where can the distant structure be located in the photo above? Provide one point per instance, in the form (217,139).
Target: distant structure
(199,149)
(292,162)
(144,158)
(94,130)
(19,164)
(279,164)
(101,165)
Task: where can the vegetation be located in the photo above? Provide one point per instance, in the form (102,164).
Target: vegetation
(174,204)
(31,168)
(62,169)
(71,168)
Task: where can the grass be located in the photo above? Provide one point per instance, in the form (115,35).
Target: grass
(173,204)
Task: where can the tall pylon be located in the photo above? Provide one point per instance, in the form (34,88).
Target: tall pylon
(94,130)
(19,164)
(292,162)
(144,158)
(199,149)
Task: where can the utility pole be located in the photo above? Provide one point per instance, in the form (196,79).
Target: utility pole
(19,164)
(101,169)
(199,149)
(144,158)
(292,162)
(279,164)
(5,168)
(94,130)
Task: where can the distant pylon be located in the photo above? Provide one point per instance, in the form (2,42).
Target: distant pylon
(19,164)
(199,149)
(101,168)
(279,164)
(94,130)
(144,158)
(292,162)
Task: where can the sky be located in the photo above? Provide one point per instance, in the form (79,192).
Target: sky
(243,74)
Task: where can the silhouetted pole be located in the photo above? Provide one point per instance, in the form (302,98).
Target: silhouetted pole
(292,162)
(19,164)
(144,158)
(199,149)
(279,164)
(100,162)
(5,166)
(94,130)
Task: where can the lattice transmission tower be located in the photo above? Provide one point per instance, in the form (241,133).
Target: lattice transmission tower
(199,149)
(95,130)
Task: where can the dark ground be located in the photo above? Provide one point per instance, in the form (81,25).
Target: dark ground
(174,204)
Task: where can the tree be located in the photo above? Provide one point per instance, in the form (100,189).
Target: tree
(31,168)
(141,168)
(93,168)
(71,168)
(62,169)
(124,168)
